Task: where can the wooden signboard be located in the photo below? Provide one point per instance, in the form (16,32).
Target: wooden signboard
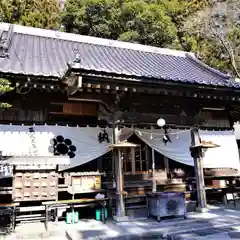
(85,183)
(34,185)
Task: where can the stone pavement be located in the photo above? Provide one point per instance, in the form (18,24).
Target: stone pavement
(218,223)
(36,231)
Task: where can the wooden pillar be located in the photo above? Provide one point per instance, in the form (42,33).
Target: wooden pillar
(133,160)
(113,151)
(100,165)
(166,165)
(120,208)
(154,182)
(201,194)
(56,209)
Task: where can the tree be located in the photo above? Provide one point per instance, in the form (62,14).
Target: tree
(129,20)
(5,87)
(92,17)
(147,23)
(34,13)
(181,10)
(216,32)
(224,22)
(158,23)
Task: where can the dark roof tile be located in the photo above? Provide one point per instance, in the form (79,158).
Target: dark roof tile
(47,53)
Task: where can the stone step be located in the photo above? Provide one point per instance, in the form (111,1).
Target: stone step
(222,231)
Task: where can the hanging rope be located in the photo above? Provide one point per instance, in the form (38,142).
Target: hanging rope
(163,134)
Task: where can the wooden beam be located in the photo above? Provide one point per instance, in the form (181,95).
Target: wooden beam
(164,90)
(152,82)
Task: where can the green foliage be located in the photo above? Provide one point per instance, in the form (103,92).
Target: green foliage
(92,17)
(147,23)
(134,21)
(5,87)
(211,52)
(179,10)
(35,13)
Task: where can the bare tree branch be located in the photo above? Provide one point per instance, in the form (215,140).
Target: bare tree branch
(228,47)
(220,31)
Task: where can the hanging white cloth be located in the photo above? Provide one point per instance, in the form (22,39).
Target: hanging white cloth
(81,144)
(237,130)
(225,156)
(122,134)
(177,149)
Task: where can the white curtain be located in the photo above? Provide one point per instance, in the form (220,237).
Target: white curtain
(237,130)
(122,134)
(41,140)
(177,149)
(83,145)
(225,156)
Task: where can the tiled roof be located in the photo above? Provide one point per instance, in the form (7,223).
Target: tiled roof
(38,52)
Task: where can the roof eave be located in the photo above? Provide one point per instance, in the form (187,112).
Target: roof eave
(75,67)
(150,80)
(33,76)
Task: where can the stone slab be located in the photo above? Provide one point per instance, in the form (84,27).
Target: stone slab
(216,222)
(36,231)
(120,219)
(213,222)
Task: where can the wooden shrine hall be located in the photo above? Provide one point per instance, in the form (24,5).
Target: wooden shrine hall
(76,98)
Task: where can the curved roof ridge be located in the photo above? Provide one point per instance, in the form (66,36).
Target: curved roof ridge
(91,40)
(204,65)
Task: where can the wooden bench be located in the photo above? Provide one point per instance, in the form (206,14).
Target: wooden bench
(9,209)
(30,214)
(83,202)
(231,191)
